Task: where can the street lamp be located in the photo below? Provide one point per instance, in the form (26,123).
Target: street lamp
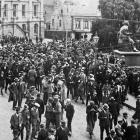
(95,40)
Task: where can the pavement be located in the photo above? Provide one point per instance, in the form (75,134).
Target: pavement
(131,102)
(78,124)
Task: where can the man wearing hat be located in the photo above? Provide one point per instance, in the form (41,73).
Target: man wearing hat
(114,109)
(124,121)
(41,103)
(118,130)
(42,134)
(14,91)
(34,120)
(111,135)
(25,114)
(16,122)
(131,131)
(104,120)
(62,132)
(57,110)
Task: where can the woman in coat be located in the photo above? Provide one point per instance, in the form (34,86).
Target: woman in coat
(91,118)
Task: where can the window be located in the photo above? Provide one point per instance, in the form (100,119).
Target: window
(60,23)
(15,10)
(86,25)
(5,14)
(78,24)
(52,22)
(35,10)
(23,10)
(24,27)
(36,28)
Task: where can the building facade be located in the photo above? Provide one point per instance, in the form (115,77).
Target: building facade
(22,18)
(73,17)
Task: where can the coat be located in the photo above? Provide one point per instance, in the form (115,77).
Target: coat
(131,133)
(69,111)
(41,103)
(42,135)
(104,118)
(16,121)
(61,134)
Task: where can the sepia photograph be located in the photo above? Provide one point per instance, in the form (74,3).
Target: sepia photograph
(70,69)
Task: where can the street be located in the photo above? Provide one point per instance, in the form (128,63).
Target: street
(78,124)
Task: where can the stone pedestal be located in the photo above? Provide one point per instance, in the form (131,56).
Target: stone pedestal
(132,58)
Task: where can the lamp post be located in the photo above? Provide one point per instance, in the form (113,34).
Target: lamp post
(95,40)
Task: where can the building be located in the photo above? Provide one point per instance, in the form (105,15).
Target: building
(73,17)
(22,18)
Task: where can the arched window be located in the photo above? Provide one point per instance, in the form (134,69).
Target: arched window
(24,27)
(36,28)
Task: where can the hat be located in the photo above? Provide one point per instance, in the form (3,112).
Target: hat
(112,132)
(112,98)
(106,106)
(37,105)
(56,97)
(32,87)
(16,79)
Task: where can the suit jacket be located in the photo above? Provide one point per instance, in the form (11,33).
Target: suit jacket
(131,133)
(124,125)
(22,88)
(41,103)
(42,135)
(69,111)
(15,121)
(61,134)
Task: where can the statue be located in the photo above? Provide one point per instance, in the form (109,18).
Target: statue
(124,36)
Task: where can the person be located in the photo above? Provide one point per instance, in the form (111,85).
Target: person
(25,114)
(62,132)
(69,108)
(14,89)
(91,118)
(34,120)
(104,120)
(114,110)
(119,130)
(111,135)
(2,79)
(57,110)
(136,116)
(131,131)
(22,90)
(49,112)
(124,121)
(41,104)
(16,122)
(124,35)
(42,134)
(32,74)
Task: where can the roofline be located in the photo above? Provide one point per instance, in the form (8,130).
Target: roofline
(85,16)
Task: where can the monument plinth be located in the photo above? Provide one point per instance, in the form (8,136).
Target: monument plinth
(132,58)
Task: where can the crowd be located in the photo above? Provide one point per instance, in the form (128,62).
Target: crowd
(49,76)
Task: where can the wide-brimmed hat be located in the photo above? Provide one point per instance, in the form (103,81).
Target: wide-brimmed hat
(37,105)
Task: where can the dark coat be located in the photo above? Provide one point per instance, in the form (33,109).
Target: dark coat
(41,103)
(69,111)
(131,133)
(42,135)
(61,134)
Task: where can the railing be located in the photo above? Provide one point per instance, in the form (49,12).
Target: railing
(18,27)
